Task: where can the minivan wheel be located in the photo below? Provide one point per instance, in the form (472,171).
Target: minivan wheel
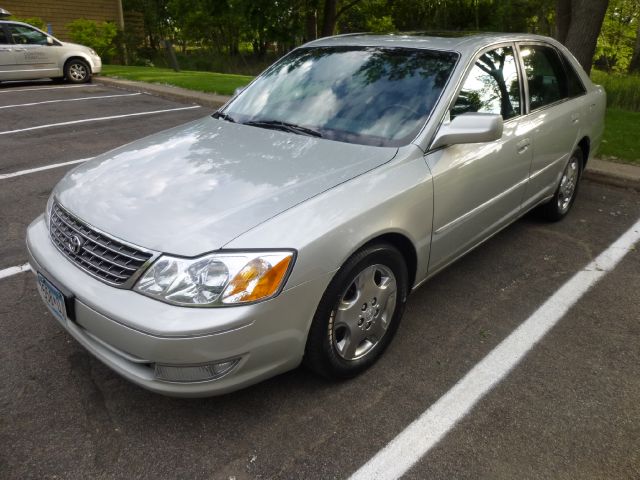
(77,71)
(567,190)
(359,313)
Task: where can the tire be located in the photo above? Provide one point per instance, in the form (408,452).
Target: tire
(359,313)
(560,205)
(77,70)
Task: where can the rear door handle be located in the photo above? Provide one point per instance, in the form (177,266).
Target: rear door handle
(575,117)
(523,145)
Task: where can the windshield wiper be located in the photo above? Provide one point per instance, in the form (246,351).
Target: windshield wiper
(223,116)
(287,127)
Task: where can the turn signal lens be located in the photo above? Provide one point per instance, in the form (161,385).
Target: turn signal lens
(258,279)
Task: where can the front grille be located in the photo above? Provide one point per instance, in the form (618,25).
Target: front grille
(103,257)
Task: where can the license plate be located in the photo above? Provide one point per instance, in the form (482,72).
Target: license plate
(53,298)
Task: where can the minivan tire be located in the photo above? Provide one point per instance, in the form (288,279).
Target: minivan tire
(77,70)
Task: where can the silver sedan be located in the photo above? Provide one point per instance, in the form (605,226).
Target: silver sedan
(291,225)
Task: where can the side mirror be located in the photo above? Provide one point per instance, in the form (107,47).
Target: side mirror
(49,41)
(469,128)
(238,90)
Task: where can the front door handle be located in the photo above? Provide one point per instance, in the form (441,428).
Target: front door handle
(575,117)
(523,145)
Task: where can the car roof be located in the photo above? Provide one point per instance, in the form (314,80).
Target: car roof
(463,42)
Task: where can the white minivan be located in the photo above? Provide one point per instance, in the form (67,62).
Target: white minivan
(28,53)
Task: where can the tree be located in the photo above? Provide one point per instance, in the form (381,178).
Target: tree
(578,24)
(634,64)
(617,35)
(332,13)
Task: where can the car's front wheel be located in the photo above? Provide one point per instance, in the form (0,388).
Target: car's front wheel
(77,71)
(358,313)
(567,190)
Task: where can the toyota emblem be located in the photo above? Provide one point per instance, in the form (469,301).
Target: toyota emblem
(74,244)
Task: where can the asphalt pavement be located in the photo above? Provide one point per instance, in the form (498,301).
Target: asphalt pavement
(570,409)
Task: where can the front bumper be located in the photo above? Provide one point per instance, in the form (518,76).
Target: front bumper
(96,64)
(130,333)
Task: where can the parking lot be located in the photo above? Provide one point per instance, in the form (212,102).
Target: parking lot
(570,409)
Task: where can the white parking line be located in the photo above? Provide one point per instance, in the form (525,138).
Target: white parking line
(4,176)
(8,272)
(97,119)
(12,90)
(425,432)
(69,100)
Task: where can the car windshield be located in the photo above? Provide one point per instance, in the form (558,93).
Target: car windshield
(365,95)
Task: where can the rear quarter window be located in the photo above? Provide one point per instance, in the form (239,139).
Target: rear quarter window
(574,84)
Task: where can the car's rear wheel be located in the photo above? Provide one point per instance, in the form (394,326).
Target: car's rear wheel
(359,313)
(77,71)
(567,191)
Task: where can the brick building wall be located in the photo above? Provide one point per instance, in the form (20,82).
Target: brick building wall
(60,12)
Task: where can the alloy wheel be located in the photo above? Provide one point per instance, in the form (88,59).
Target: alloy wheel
(568,184)
(363,313)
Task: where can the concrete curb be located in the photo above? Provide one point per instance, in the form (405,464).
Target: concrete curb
(611,173)
(166,91)
(601,171)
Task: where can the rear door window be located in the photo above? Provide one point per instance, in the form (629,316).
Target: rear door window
(546,75)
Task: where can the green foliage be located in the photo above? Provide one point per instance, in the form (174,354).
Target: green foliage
(200,81)
(98,35)
(617,36)
(623,91)
(35,21)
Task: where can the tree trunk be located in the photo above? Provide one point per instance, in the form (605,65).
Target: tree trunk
(584,28)
(634,65)
(311,21)
(329,18)
(563,19)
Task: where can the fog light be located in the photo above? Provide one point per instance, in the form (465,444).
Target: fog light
(194,373)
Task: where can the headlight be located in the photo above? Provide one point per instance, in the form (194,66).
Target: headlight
(93,52)
(216,279)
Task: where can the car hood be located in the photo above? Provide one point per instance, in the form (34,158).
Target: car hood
(194,188)
(74,45)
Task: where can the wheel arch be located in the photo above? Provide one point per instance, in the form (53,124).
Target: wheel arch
(77,57)
(585,145)
(404,245)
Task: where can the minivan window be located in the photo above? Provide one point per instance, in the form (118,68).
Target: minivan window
(545,74)
(365,95)
(3,37)
(23,35)
(492,86)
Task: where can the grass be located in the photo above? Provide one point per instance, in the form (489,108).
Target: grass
(621,140)
(209,82)
(621,136)
(623,91)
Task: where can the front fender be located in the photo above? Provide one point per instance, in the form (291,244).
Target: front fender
(327,229)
